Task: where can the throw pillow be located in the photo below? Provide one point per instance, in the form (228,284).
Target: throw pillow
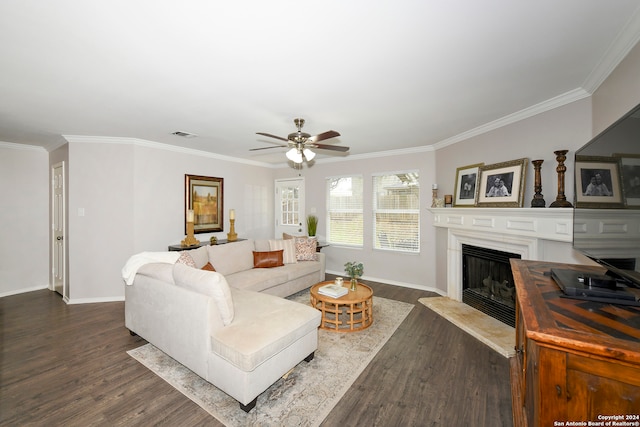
(208,267)
(289,248)
(306,248)
(267,259)
(186,259)
(208,283)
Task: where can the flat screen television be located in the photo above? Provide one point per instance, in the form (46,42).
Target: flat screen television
(607,199)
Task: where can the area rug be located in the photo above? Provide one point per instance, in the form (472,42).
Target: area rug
(309,392)
(483,327)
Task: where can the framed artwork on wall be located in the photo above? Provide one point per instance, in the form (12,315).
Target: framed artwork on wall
(598,182)
(464,193)
(204,195)
(630,176)
(501,184)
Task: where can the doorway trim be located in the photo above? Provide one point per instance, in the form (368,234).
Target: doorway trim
(58,231)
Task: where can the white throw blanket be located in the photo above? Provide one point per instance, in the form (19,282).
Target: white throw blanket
(138,260)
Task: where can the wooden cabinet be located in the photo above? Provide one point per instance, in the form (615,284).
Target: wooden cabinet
(576,360)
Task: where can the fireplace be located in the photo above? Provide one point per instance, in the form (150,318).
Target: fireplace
(487,282)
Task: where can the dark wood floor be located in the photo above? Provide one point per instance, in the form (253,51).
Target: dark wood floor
(66,365)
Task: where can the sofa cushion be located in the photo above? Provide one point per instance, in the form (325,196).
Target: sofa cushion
(300,269)
(268,259)
(200,256)
(208,283)
(258,279)
(261,245)
(158,270)
(232,257)
(289,248)
(306,248)
(263,326)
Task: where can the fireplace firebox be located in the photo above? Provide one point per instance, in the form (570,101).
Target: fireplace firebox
(487,282)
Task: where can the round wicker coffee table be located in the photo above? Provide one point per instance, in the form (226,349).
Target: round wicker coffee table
(349,313)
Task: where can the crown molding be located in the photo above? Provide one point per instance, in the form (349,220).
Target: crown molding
(550,104)
(377,154)
(23,147)
(85,139)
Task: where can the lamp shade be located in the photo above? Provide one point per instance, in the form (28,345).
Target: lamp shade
(294,155)
(308,154)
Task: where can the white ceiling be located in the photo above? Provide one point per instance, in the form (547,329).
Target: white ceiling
(387,75)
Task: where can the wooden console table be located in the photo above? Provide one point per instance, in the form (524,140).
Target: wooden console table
(576,360)
(179,247)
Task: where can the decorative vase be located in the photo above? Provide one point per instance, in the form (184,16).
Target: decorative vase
(354,284)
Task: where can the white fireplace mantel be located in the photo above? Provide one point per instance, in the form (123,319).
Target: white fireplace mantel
(521,231)
(540,223)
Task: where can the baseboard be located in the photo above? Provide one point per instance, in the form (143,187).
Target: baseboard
(23,291)
(395,283)
(94,300)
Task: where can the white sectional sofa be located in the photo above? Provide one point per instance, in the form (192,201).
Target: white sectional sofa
(231,327)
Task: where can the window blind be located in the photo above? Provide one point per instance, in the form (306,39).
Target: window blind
(344,210)
(396,212)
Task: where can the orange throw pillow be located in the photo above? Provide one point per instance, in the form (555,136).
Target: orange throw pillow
(208,267)
(268,259)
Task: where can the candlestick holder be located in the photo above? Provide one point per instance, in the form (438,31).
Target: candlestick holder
(231,235)
(561,199)
(190,240)
(538,198)
(434,196)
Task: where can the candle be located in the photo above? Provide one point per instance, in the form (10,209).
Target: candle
(190,215)
(232,214)
(434,187)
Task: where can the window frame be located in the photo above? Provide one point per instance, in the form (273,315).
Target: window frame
(375,211)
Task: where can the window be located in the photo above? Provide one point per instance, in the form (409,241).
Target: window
(396,212)
(344,205)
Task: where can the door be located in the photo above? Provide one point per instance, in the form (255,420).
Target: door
(57,229)
(289,206)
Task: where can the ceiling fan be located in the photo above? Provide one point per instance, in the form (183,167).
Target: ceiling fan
(300,143)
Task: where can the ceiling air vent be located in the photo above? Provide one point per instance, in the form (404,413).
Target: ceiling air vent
(184,134)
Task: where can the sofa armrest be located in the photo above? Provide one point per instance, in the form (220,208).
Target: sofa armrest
(322,258)
(176,320)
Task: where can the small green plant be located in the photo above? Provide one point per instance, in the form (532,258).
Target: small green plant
(354,269)
(312,225)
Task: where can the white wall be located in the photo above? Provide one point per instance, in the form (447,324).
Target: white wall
(404,269)
(133,200)
(24,215)
(619,93)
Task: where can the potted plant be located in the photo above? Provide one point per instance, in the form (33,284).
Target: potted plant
(312,225)
(354,270)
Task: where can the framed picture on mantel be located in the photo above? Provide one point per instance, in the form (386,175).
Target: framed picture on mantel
(502,184)
(204,195)
(464,193)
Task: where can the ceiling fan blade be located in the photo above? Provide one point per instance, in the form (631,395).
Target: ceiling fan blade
(266,148)
(273,136)
(331,147)
(324,135)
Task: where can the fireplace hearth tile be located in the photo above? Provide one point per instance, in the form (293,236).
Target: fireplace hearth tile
(492,332)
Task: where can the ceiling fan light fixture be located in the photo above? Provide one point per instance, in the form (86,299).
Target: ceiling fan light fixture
(294,155)
(308,154)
